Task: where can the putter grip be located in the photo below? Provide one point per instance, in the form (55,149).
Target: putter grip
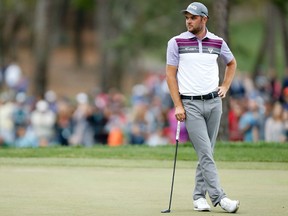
(178,130)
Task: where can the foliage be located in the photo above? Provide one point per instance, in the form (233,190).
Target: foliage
(83,5)
(147,25)
(244,43)
(282,5)
(136,28)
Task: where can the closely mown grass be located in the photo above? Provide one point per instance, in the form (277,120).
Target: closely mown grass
(241,152)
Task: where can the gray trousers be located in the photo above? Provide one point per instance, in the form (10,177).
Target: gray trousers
(202,123)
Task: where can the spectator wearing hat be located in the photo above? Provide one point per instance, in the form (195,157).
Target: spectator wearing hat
(42,122)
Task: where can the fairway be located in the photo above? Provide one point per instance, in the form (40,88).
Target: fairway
(104,187)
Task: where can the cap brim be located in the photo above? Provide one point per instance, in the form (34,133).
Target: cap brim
(194,13)
(191,12)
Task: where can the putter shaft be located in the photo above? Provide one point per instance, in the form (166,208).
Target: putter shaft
(174,167)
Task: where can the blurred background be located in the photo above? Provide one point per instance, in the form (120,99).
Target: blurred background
(99,66)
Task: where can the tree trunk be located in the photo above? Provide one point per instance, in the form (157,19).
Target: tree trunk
(282,10)
(260,57)
(1,36)
(267,47)
(60,10)
(2,46)
(102,34)
(78,28)
(271,29)
(285,37)
(42,45)
(8,28)
(221,14)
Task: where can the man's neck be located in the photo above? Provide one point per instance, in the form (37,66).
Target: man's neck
(201,34)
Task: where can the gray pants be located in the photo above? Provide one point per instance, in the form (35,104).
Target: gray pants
(202,123)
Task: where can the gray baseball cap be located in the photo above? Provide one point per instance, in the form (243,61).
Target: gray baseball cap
(196,8)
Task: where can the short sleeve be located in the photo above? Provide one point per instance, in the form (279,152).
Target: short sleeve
(172,55)
(226,53)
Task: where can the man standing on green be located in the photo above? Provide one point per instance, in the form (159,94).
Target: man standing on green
(193,78)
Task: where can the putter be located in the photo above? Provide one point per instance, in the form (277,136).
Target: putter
(175,158)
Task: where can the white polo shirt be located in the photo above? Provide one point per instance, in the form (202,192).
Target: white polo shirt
(198,72)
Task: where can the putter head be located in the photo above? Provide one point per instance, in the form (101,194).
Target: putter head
(166,211)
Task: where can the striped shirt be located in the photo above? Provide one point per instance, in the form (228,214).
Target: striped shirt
(198,72)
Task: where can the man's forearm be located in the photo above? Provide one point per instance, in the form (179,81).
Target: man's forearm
(174,91)
(229,74)
(171,78)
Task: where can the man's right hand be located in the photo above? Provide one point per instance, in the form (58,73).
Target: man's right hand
(180,113)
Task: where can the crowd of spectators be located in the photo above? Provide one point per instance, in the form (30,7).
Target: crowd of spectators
(258,111)
(89,118)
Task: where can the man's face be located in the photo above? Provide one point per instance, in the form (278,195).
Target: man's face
(195,23)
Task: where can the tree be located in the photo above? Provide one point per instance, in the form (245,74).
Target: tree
(42,48)
(123,40)
(82,15)
(221,16)
(279,9)
(12,18)
(282,6)
(102,27)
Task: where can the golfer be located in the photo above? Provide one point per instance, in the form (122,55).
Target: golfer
(193,78)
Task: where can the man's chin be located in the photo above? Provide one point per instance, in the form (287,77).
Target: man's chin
(191,30)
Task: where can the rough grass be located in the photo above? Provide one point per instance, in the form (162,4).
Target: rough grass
(234,152)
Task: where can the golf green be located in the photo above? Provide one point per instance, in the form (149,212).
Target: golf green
(106,187)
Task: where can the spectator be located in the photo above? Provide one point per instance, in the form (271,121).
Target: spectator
(25,137)
(101,118)
(154,114)
(139,94)
(249,122)
(12,79)
(115,137)
(275,88)
(285,80)
(83,133)
(138,129)
(98,121)
(51,98)
(21,112)
(63,124)
(2,77)
(42,122)
(117,119)
(157,138)
(274,126)
(234,115)
(6,117)
(237,89)
(284,97)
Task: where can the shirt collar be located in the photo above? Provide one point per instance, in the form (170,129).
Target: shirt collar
(192,36)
